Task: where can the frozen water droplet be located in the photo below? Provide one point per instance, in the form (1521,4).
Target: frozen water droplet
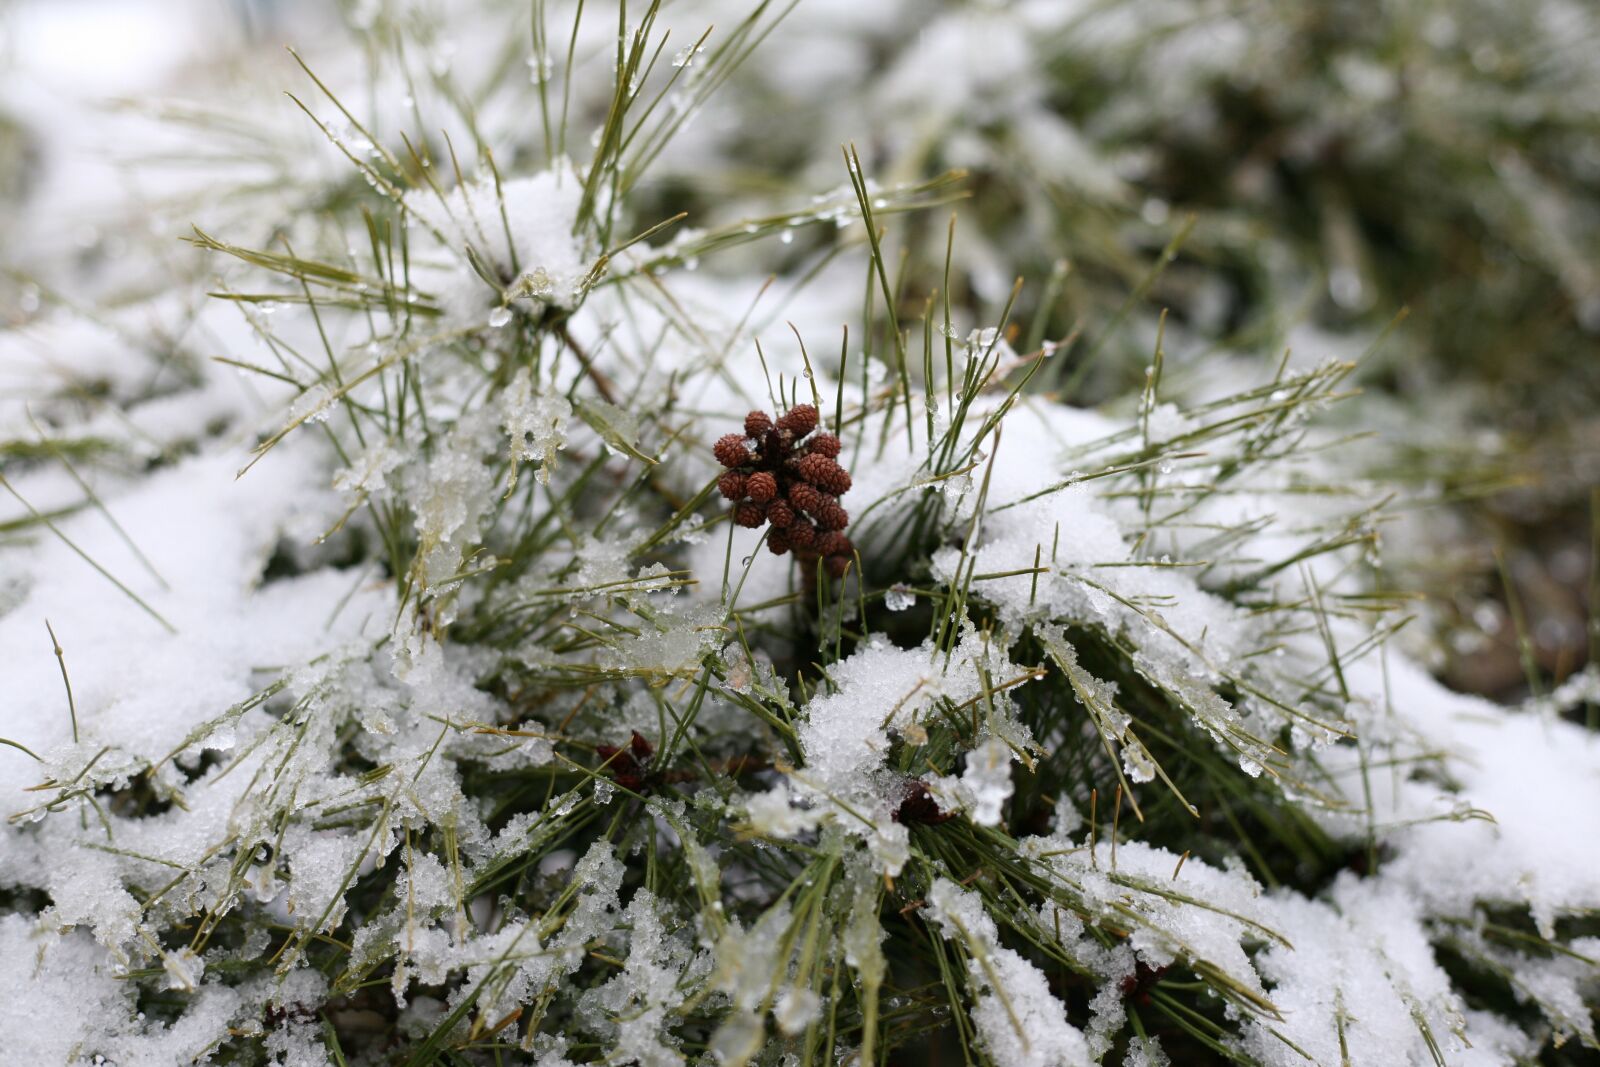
(1345,287)
(499,317)
(787,237)
(537,283)
(1165,466)
(956,487)
(899,598)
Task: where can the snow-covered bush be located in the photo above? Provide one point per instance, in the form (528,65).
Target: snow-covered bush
(385,681)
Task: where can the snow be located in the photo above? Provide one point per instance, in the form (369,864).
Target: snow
(1146,1052)
(1020,1022)
(984,786)
(846,733)
(530,247)
(1367,967)
(536,422)
(642,997)
(881,687)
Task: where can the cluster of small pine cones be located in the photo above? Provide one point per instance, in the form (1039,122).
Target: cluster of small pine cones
(791,479)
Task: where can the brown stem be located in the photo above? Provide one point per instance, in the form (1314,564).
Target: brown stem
(601,383)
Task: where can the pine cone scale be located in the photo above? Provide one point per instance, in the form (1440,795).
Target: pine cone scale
(791,481)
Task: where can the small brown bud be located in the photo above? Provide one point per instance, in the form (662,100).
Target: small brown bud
(824,473)
(838,566)
(778,542)
(830,516)
(730,450)
(641,748)
(761,486)
(835,543)
(918,806)
(824,444)
(756,424)
(623,766)
(781,513)
(802,535)
(800,420)
(749,514)
(731,485)
(805,497)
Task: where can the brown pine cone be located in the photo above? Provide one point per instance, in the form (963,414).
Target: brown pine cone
(801,420)
(781,513)
(830,516)
(802,535)
(730,450)
(731,485)
(805,497)
(824,473)
(835,543)
(796,490)
(750,514)
(824,444)
(761,486)
(756,424)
